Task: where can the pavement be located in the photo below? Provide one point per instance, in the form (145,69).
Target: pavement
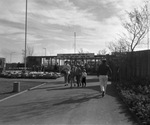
(56,104)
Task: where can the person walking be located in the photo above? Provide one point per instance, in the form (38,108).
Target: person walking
(78,75)
(72,76)
(103,72)
(66,71)
(84,75)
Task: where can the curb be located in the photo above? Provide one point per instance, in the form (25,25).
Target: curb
(21,92)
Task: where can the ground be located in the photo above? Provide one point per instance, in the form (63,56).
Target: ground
(56,104)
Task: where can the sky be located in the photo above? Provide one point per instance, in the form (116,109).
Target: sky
(51,25)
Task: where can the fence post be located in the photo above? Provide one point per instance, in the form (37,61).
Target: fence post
(16,87)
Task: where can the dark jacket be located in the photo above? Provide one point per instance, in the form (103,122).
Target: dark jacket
(78,71)
(104,69)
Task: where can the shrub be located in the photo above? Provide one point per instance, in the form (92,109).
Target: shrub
(136,94)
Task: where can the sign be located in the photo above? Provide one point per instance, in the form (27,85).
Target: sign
(74,56)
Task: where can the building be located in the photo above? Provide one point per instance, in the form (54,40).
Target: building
(47,63)
(2,64)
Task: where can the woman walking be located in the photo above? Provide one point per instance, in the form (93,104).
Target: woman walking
(102,73)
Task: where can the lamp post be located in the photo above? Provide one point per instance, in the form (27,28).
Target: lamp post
(25,63)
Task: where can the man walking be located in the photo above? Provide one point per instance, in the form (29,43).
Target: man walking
(66,71)
(102,73)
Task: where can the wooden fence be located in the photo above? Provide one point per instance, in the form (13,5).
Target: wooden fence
(135,65)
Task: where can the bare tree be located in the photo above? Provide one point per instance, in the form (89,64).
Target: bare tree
(112,46)
(120,45)
(29,52)
(82,51)
(102,52)
(136,26)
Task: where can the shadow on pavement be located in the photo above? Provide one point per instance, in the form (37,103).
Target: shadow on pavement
(59,84)
(111,91)
(79,99)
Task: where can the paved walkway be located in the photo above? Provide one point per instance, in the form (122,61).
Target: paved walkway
(56,104)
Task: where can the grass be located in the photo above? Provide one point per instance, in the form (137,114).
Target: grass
(6,85)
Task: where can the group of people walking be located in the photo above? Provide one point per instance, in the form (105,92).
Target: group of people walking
(78,73)
(74,74)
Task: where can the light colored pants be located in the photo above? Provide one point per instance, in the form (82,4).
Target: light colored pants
(103,79)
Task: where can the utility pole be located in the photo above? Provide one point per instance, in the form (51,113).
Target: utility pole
(74,42)
(25,63)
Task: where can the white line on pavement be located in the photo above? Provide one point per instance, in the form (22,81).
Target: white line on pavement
(21,92)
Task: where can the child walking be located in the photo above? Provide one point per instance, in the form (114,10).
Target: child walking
(84,75)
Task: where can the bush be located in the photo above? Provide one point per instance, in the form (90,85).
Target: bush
(32,75)
(136,94)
